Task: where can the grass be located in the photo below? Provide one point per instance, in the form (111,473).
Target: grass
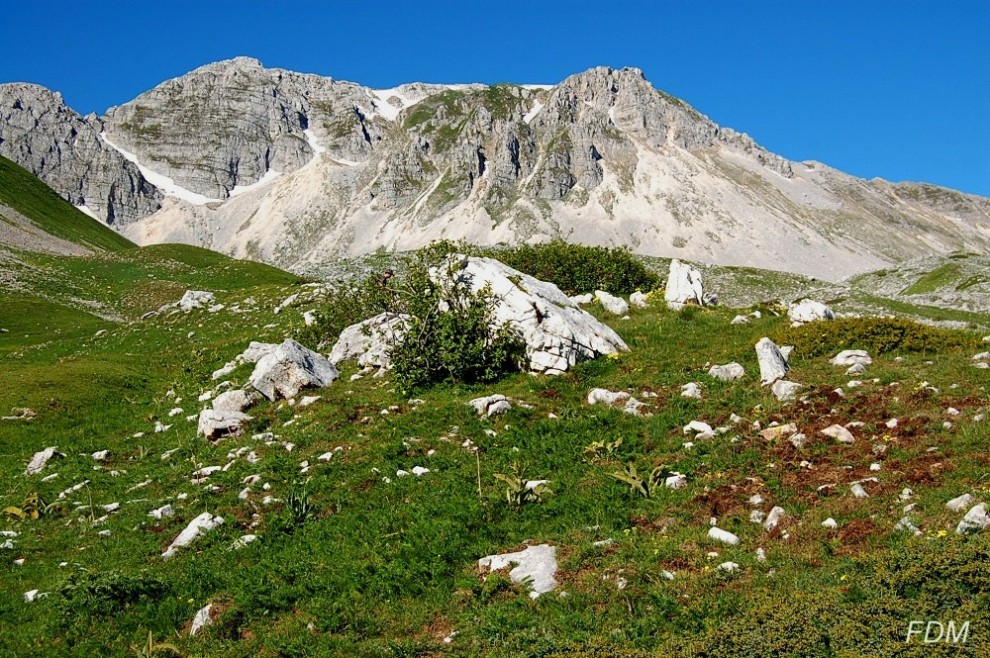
(930,282)
(389,568)
(21,190)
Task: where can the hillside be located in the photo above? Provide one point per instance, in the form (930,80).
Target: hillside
(296,169)
(29,208)
(352,558)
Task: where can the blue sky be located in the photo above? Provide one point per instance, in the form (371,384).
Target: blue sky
(895,89)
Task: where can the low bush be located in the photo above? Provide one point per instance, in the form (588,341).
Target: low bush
(451,334)
(577,269)
(876,335)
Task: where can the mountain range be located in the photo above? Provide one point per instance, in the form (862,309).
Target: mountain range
(292,168)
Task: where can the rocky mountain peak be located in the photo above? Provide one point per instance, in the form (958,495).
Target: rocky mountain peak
(42,134)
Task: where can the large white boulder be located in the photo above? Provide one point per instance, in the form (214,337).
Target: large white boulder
(535,565)
(289,368)
(370,341)
(773,365)
(808,310)
(683,286)
(214,424)
(556,332)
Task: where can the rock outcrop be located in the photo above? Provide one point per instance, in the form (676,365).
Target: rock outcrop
(40,133)
(683,286)
(556,332)
(773,365)
(289,368)
(370,341)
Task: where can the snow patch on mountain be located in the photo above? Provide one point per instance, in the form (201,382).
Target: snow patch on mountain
(168,186)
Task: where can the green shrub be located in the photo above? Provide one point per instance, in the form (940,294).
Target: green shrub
(346,304)
(876,335)
(451,335)
(577,269)
(97,594)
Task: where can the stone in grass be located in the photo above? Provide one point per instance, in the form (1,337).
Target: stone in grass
(976,520)
(808,310)
(40,459)
(691,390)
(727,373)
(778,431)
(236,400)
(701,430)
(639,300)
(684,286)
(198,526)
(851,358)
(491,405)
(785,391)
(611,303)
(774,518)
(611,398)
(193,299)
(371,341)
(960,503)
(201,620)
(773,365)
(906,525)
(723,536)
(536,565)
(557,333)
(839,433)
(215,424)
(289,368)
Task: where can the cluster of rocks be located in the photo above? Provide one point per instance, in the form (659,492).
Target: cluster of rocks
(557,333)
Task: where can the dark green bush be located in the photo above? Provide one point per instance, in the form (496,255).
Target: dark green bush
(90,594)
(876,335)
(578,269)
(451,336)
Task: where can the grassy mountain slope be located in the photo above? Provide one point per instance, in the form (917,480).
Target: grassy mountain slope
(353,560)
(21,190)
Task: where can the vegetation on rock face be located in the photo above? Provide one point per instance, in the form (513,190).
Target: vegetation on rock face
(876,335)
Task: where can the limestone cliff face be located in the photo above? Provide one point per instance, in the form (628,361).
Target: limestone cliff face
(39,132)
(289,167)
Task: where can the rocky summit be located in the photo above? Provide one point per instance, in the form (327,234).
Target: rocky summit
(293,168)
